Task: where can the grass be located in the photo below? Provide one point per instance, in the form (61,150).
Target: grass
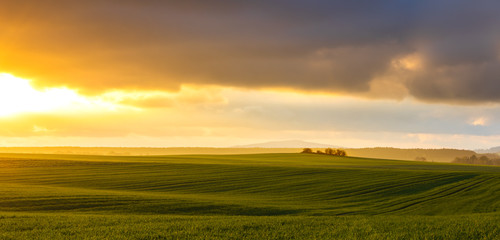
(259,196)
(73,226)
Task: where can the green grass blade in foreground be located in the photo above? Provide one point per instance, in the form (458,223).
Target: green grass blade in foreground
(73,226)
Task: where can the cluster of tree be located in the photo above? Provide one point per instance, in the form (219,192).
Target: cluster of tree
(328,151)
(482,160)
(422,159)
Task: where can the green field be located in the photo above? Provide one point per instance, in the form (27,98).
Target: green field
(257,196)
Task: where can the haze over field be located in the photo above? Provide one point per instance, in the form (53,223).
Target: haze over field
(409,74)
(429,155)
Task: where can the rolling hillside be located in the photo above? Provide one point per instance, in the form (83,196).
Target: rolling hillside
(277,184)
(244,188)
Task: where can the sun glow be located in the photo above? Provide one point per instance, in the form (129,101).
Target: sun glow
(18,96)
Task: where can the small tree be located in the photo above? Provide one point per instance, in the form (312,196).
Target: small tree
(307,150)
(340,152)
(329,151)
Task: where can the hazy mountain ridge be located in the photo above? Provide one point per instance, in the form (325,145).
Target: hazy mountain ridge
(489,150)
(287,144)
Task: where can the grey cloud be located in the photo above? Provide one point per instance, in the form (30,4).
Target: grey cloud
(462,83)
(337,46)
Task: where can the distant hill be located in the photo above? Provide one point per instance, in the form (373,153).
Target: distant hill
(287,144)
(430,155)
(436,155)
(489,150)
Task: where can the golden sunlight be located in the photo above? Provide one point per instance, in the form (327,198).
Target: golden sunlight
(18,96)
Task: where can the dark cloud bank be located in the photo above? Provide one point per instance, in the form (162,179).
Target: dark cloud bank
(336,46)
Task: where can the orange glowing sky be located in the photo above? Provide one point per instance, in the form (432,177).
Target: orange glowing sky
(172,73)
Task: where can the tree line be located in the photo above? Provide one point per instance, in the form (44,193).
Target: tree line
(328,151)
(482,160)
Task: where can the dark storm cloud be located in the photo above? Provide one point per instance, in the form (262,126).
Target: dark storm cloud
(337,46)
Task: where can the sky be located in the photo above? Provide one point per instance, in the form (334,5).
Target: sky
(218,73)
